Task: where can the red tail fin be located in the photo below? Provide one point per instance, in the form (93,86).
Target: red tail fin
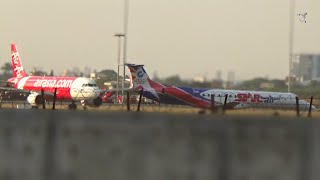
(17,68)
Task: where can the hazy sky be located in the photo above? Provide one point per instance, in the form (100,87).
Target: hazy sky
(185,37)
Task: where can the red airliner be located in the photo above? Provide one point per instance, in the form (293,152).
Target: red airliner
(80,89)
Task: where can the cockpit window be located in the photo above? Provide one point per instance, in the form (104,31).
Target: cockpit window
(89,85)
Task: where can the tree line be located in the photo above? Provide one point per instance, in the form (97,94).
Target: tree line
(108,75)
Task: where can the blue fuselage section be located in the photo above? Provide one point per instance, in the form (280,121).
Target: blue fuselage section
(165,98)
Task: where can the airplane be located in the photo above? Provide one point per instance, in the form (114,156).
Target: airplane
(199,97)
(80,89)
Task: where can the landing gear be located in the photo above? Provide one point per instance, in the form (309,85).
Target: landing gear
(84,105)
(72,106)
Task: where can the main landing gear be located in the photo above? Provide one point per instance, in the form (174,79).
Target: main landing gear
(72,106)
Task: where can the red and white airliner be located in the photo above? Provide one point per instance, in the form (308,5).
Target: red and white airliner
(80,89)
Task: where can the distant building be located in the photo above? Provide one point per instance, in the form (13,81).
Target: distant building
(219,75)
(306,67)
(231,77)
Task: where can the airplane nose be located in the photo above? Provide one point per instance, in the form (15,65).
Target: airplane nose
(96,92)
(92,92)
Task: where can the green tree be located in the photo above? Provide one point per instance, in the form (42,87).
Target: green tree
(6,71)
(106,75)
(36,72)
(253,84)
(174,80)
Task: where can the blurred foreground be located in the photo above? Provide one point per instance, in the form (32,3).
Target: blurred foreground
(81,145)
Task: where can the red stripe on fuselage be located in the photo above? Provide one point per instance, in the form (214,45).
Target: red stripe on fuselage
(156,86)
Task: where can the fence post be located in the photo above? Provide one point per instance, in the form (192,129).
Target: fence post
(310,106)
(43,100)
(212,107)
(297,106)
(54,99)
(128,101)
(225,103)
(140,96)
(0,101)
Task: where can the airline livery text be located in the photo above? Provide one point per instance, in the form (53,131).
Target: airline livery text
(18,68)
(53,83)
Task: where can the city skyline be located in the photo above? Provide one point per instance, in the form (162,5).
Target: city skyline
(185,38)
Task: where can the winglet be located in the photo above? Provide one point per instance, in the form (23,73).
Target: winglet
(17,68)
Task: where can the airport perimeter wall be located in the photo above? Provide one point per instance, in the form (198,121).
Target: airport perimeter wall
(80,145)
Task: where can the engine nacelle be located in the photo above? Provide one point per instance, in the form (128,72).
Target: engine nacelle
(94,102)
(35,99)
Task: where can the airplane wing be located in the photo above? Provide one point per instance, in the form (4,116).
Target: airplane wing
(10,89)
(120,90)
(10,93)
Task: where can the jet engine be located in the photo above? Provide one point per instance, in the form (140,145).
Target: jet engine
(94,102)
(35,99)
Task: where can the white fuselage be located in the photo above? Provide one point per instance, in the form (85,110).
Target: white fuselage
(255,99)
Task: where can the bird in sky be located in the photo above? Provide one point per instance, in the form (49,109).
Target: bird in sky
(302,17)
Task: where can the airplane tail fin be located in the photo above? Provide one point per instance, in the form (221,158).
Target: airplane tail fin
(141,79)
(17,68)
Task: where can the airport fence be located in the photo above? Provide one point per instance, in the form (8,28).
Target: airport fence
(140,104)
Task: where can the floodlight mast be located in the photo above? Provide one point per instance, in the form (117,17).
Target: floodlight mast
(119,35)
(125,39)
(124,35)
(291,41)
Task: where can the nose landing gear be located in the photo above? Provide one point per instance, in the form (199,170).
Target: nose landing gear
(84,104)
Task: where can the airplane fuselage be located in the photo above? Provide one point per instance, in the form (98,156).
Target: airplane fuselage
(211,98)
(68,88)
(80,89)
(235,98)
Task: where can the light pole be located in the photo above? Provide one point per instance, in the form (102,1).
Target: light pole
(125,38)
(119,35)
(291,41)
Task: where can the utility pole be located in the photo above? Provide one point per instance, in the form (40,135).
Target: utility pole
(291,41)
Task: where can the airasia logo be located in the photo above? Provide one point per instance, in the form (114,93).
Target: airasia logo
(18,69)
(53,83)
